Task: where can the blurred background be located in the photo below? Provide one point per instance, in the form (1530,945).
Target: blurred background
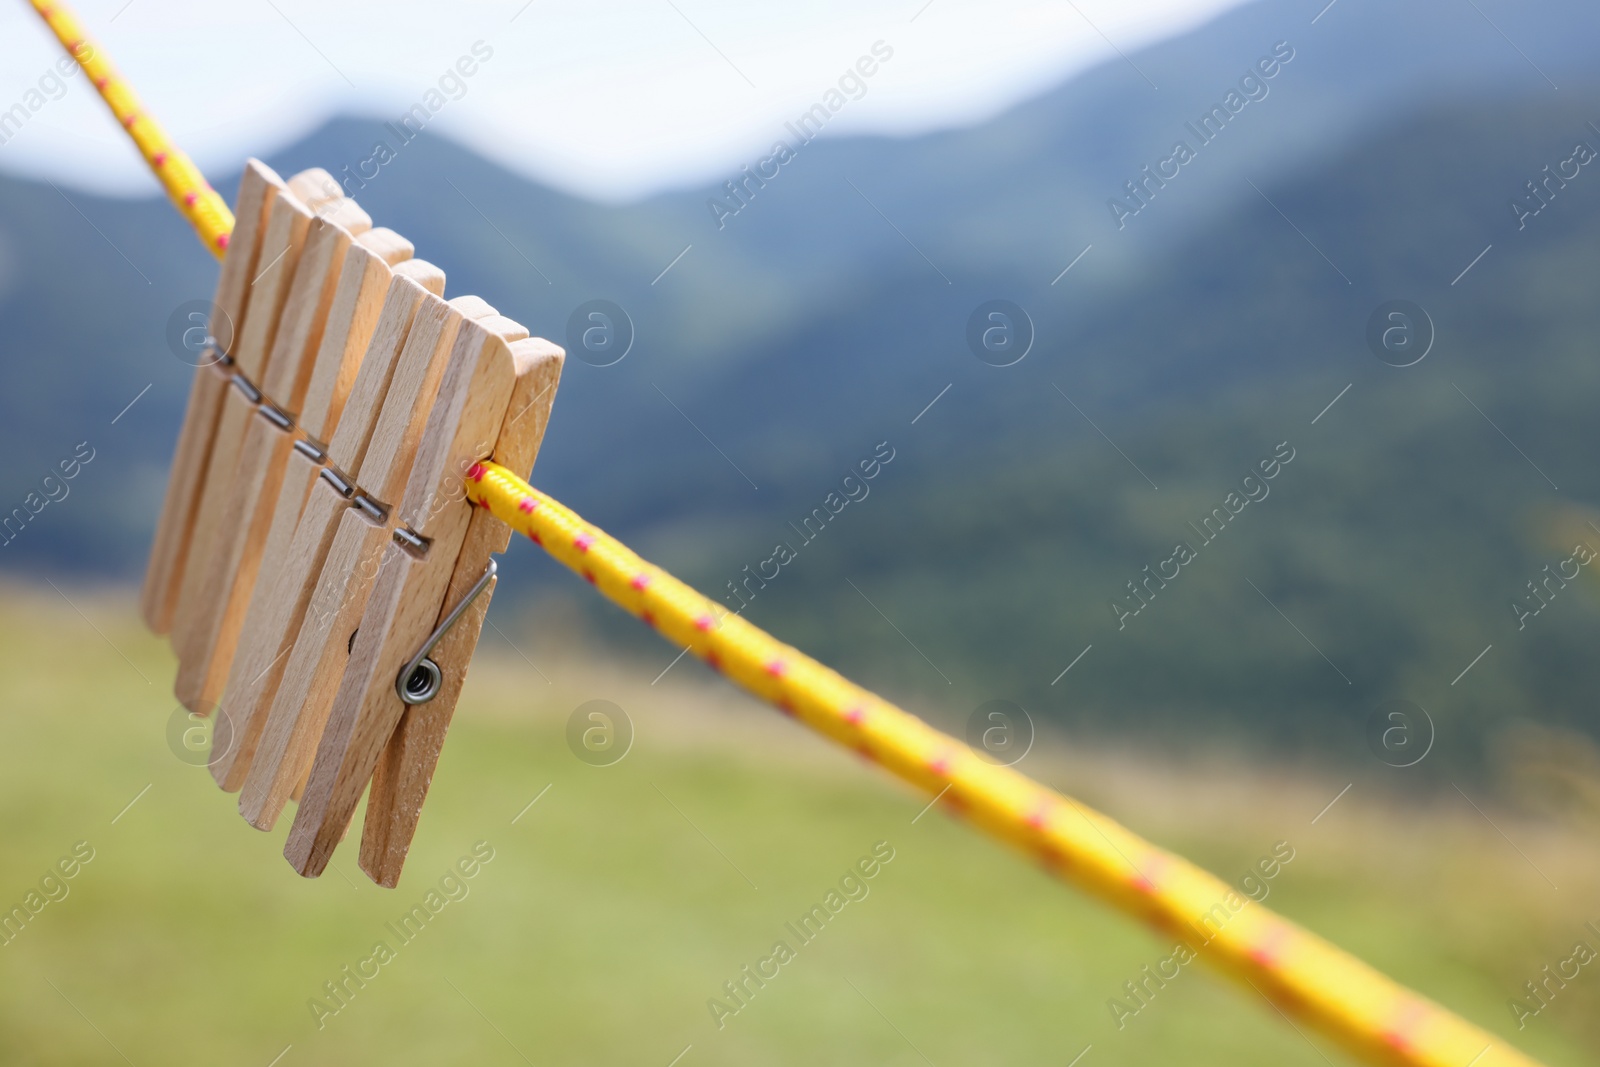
(1369,271)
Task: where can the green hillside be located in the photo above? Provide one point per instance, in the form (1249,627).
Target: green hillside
(617,905)
(1173,359)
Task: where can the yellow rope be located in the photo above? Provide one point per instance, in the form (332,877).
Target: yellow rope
(206,211)
(1299,972)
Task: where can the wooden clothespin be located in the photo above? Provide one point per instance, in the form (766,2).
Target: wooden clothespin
(278,602)
(405,770)
(175,529)
(321,538)
(341,532)
(283,236)
(251,496)
(408,598)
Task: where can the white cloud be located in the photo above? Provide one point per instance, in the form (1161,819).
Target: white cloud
(606,98)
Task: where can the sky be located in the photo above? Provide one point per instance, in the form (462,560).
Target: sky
(607,99)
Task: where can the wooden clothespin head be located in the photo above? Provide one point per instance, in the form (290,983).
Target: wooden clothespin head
(317,562)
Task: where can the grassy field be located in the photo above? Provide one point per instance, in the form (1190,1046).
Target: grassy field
(620,902)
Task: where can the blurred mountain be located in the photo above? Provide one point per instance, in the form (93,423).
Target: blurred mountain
(774,351)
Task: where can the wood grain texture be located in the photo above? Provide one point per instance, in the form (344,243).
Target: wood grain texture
(296,345)
(463,426)
(404,601)
(507,330)
(473,307)
(278,603)
(383,241)
(287,223)
(352,318)
(405,767)
(406,597)
(288,569)
(392,454)
(237,543)
(346,214)
(233,281)
(315,187)
(169,549)
(296,621)
(234,563)
(404,772)
(424,274)
(284,236)
(539,364)
(194,594)
(321,649)
(353,434)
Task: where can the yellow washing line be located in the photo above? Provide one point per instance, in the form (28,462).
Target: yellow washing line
(1301,974)
(186,187)
(1298,971)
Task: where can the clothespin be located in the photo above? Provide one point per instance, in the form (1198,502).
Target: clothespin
(272,620)
(175,529)
(405,770)
(354,522)
(216,529)
(408,598)
(317,562)
(251,496)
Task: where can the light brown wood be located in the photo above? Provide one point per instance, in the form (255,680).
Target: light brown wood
(284,235)
(357,302)
(321,649)
(256,185)
(346,214)
(473,399)
(473,307)
(392,455)
(169,549)
(277,604)
(238,412)
(406,597)
(353,432)
(404,772)
(298,341)
(315,187)
(300,707)
(405,767)
(284,616)
(424,274)
(262,647)
(294,623)
(233,564)
(400,434)
(539,365)
(387,244)
(288,221)
(239,543)
(218,528)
